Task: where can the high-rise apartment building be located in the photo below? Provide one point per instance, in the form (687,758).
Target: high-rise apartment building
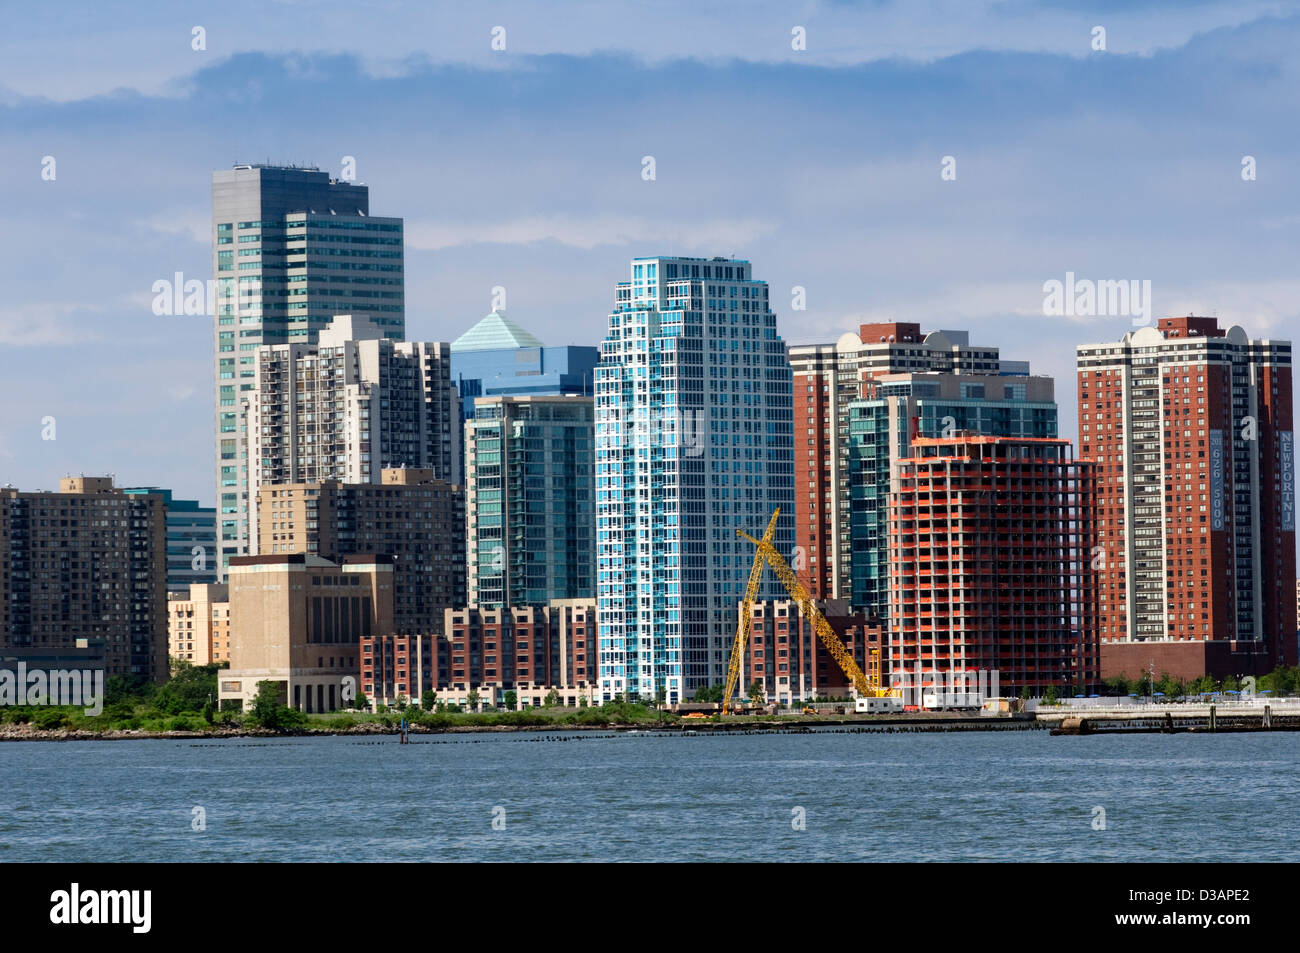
(530,500)
(192,552)
(988,566)
(829,447)
(1191,428)
(412,517)
(291,248)
(897,409)
(83,578)
(693,441)
(346,408)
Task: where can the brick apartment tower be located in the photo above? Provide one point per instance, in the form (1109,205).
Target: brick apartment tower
(829,378)
(987,546)
(83,579)
(1191,429)
(825,380)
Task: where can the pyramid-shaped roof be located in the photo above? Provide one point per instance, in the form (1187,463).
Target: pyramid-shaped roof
(494,333)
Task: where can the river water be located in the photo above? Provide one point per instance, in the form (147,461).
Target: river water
(821,796)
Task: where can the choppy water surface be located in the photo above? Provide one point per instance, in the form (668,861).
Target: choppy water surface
(1003,796)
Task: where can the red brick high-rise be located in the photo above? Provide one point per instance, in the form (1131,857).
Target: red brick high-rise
(1191,429)
(988,570)
(827,377)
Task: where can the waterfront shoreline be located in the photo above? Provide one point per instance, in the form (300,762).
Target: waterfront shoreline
(878,724)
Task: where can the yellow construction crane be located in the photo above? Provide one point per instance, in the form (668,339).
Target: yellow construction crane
(868,686)
(746,613)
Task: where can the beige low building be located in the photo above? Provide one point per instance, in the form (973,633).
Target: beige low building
(198,625)
(298,620)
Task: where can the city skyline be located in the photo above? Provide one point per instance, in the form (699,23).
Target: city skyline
(965,253)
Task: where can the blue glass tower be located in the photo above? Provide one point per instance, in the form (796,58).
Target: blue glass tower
(497,357)
(694,439)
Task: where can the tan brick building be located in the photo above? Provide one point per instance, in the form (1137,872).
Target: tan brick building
(298,620)
(417,520)
(198,625)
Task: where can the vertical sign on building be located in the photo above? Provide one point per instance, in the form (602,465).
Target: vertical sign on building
(1216,479)
(1287,469)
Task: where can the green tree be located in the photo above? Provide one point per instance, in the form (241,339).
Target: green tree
(428,699)
(1116,685)
(710,693)
(1050,696)
(269,711)
(661,696)
(756,692)
(361,701)
(552,698)
(512,699)
(127,688)
(472,699)
(188,690)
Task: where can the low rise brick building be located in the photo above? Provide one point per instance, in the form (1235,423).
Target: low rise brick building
(786,657)
(531,650)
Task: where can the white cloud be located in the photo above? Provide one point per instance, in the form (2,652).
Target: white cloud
(44,324)
(194,225)
(590,233)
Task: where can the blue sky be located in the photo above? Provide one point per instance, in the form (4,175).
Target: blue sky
(522,168)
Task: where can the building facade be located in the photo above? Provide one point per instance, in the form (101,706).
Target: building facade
(530,500)
(497,357)
(790,663)
(897,409)
(844,449)
(531,650)
(198,624)
(411,517)
(694,440)
(402,667)
(298,620)
(291,248)
(1191,428)
(989,550)
(83,578)
(347,408)
(193,556)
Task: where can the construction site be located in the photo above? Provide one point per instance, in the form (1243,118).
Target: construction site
(870,694)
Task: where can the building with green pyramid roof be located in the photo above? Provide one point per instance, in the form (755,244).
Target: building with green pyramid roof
(497,356)
(495,332)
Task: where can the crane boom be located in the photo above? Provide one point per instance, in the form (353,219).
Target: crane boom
(869,687)
(746,610)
